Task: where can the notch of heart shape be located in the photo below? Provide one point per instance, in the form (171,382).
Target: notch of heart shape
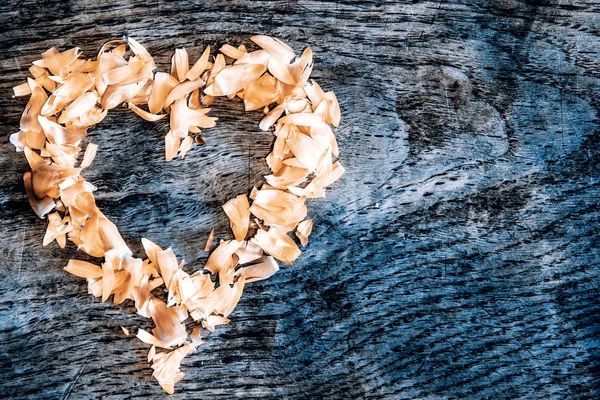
(68,95)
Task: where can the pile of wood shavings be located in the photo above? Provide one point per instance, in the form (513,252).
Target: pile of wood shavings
(69,95)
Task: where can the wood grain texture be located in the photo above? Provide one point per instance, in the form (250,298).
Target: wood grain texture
(457,258)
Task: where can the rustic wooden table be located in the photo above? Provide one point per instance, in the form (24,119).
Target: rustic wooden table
(457,258)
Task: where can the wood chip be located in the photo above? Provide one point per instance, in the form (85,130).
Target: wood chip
(210,240)
(238,211)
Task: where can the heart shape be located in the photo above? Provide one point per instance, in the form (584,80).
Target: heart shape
(65,92)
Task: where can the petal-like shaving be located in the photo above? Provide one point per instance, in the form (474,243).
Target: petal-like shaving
(123,75)
(167,264)
(147,337)
(18,140)
(260,271)
(214,320)
(66,93)
(281,71)
(181,63)
(186,145)
(199,66)
(181,90)
(78,107)
(33,158)
(59,134)
(46,178)
(108,281)
(302,67)
(315,93)
(213,90)
(92,117)
(303,231)
(160,90)
(235,78)
(53,60)
(195,336)
(316,188)
(238,211)
(197,117)
(116,95)
(271,117)
(277,244)
(179,121)
(68,195)
(275,47)
(35,140)
(288,176)
(238,288)
(145,114)
(140,50)
(151,249)
(172,144)
(325,180)
(334,109)
(142,297)
(248,252)
(254,57)
(46,82)
(83,269)
(306,149)
(221,259)
(89,155)
(210,240)
(29,119)
(107,62)
(168,328)
(111,237)
(278,208)
(166,367)
(261,92)
(232,52)
(57,228)
(217,67)
(151,353)
(194,100)
(22,90)
(303,119)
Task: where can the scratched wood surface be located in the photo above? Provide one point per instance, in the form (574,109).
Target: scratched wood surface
(457,258)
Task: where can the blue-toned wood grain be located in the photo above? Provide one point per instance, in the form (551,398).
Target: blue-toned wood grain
(457,258)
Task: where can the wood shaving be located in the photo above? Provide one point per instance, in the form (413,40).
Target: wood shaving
(238,211)
(68,95)
(210,240)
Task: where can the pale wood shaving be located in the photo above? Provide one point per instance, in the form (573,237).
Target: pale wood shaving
(238,211)
(304,230)
(259,271)
(210,240)
(199,67)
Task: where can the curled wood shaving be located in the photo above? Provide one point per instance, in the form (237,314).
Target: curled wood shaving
(238,211)
(259,271)
(199,67)
(210,240)
(303,231)
(68,95)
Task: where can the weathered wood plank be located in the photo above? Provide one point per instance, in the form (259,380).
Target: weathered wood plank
(457,258)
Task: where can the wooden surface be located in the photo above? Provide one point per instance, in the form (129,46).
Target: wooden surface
(457,258)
